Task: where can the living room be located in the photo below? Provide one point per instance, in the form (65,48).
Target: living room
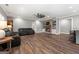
(39,28)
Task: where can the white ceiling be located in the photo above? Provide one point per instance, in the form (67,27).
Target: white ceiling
(27,11)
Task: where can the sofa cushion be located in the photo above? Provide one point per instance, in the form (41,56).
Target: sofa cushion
(7,32)
(26,31)
(16,41)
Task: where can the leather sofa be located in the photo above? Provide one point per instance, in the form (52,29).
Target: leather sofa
(25,31)
(16,39)
(14,43)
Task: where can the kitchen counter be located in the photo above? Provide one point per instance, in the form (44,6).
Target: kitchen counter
(77,36)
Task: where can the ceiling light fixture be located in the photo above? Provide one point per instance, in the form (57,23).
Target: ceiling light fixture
(70,7)
(7,4)
(39,15)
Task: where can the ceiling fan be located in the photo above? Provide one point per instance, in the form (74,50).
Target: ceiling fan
(6,4)
(39,15)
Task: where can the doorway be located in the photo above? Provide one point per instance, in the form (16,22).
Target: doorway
(65,26)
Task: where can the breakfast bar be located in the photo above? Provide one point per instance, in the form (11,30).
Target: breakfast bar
(77,36)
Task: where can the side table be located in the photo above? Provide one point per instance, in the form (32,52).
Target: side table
(5,40)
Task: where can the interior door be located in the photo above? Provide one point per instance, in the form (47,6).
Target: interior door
(65,26)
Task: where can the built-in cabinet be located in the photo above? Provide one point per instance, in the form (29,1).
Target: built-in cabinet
(54,24)
(48,25)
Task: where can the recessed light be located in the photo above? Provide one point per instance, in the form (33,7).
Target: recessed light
(70,7)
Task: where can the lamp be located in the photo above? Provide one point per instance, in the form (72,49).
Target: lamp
(9,27)
(2,34)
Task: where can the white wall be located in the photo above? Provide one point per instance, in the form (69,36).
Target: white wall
(75,22)
(65,26)
(57,26)
(3,13)
(21,23)
(72,23)
(3,22)
(37,26)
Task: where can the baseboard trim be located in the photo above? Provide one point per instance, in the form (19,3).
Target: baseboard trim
(64,33)
(53,33)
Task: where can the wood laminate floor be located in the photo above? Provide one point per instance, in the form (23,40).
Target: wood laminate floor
(46,44)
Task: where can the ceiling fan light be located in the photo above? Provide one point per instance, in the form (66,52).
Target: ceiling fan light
(40,15)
